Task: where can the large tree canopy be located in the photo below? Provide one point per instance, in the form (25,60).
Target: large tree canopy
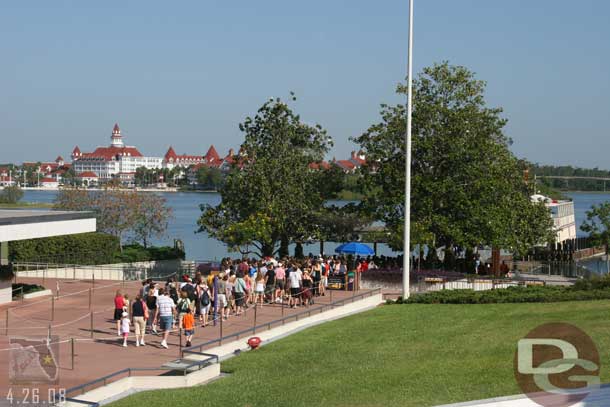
(467,187)
(270,196)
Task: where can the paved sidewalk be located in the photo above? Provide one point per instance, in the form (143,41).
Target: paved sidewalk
(104,354)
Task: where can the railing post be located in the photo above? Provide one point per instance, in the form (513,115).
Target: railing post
(91,323)
(180,343)
(52,308)
(90,295)
(72,352)
(221,318)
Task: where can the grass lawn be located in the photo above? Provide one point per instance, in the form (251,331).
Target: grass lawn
(407,355)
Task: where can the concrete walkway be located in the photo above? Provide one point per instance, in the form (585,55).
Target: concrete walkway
(597,398)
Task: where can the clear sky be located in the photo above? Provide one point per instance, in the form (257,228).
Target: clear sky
(186,73)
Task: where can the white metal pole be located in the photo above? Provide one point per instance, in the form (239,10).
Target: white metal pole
(406,266)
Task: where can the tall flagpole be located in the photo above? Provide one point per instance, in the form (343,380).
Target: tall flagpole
(407,229)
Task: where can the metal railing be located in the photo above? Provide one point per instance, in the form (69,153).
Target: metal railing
(210,358)
(282,320)
(82,388)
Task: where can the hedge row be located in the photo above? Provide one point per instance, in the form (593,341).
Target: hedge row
(86,249)
(508,295)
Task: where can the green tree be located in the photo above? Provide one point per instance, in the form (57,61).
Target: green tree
(270,182)
(467,187)
(597,225)
(151,217)
(120,212)
(11,194)
(209,177)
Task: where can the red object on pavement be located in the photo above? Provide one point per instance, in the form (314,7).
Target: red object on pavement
(254,342)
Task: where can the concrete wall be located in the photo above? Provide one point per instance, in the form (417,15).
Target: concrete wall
(9,233)
(140,383)
(6,291)
(118,271)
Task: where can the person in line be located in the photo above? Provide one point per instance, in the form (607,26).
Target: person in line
(125,323)
(308,289)
(295,278)
(260,288)
(270,284)
(205,299)
(316,271)
(183,305)
(119,303)
(151,305)
(139,313)
(188,323)
(223,304)
(167,309)
(240,293)
(280,282)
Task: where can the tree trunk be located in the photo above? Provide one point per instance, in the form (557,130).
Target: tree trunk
(283,247)
(298,250)
(267,249)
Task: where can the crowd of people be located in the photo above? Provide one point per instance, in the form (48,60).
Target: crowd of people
(227,292)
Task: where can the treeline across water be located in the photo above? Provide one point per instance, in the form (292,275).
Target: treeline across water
(572,184)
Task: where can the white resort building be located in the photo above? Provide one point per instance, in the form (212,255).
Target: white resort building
(115,161)
(562,213)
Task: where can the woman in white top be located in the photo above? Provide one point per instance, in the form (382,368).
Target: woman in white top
(260,288)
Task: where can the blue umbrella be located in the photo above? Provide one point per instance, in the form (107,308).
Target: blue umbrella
(355,248)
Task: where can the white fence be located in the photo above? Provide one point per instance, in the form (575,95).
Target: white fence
(116,272)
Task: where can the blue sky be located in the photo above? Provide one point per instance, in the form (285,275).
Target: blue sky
(186,73)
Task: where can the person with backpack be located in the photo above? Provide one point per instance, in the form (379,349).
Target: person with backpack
(189,326)
(205,301)
(183,305)
(240,293)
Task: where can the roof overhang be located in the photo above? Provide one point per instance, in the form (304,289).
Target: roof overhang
(17,224)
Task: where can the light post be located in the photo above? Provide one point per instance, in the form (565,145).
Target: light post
(406,265)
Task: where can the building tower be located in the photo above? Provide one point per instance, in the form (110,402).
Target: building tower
(117,139)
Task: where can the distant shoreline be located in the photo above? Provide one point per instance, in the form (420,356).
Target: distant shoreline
(126,189)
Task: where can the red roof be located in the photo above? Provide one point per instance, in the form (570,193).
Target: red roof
(87,174)
(109,153)
(319,165)
(346,164)
(170,154)
(59,158)
(116,127)
(45,180)
(212,155)
(76,151)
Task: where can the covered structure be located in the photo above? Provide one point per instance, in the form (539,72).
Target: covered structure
(16,224)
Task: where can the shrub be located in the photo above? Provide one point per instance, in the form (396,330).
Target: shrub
(22,288)
(84,248)
(510,295)
(135,252)
(11,195)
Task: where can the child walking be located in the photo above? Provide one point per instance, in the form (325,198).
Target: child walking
(188,323)
(125,323)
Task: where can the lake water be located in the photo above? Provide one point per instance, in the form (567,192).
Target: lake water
(183,225)
(200,247)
